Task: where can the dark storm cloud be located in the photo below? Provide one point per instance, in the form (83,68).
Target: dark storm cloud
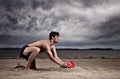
(17,40)
(10,39)
(12,14)
(90,3)
(110,30)
(45,4)
(85,22)
(19,4)
(9,4)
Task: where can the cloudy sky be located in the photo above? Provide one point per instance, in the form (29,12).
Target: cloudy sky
(81,23)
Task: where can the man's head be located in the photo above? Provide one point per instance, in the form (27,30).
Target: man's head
(54,36)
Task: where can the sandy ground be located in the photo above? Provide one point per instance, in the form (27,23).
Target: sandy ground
(84,69)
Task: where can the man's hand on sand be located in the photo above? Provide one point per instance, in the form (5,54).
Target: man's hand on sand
(64,65)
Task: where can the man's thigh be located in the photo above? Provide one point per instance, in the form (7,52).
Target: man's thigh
(29,50)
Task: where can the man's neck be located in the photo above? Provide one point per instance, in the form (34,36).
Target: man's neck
(51,42)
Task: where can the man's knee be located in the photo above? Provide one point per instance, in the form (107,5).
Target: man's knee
(36,50)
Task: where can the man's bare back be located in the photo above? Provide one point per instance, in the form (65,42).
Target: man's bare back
(43,45)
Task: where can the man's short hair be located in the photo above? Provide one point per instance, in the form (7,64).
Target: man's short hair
(53,34)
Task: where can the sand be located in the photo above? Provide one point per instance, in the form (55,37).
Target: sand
(84,69)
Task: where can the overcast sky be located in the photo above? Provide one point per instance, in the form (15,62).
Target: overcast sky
(81,23)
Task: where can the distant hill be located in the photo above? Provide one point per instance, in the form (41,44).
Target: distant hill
(10,48)
(100,49)
(65,49)
(89,49)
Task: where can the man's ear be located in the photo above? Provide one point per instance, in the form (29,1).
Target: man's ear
(52,37)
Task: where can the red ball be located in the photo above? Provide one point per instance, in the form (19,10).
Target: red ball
(70,64)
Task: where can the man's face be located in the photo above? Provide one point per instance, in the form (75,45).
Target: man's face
(56,39)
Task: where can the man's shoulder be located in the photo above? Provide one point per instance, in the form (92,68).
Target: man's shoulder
(42,40)
(52,46)
(44,43)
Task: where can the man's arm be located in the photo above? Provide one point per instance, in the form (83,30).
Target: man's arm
(53,48)
(55,58)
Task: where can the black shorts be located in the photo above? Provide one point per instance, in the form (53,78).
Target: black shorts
(21,53)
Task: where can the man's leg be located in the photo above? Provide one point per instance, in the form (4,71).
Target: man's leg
(33,64)
(30,60)
(32,52)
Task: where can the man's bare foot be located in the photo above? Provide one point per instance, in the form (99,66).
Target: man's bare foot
(27,69)
(19,66)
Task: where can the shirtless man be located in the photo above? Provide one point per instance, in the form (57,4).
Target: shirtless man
(30,51)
